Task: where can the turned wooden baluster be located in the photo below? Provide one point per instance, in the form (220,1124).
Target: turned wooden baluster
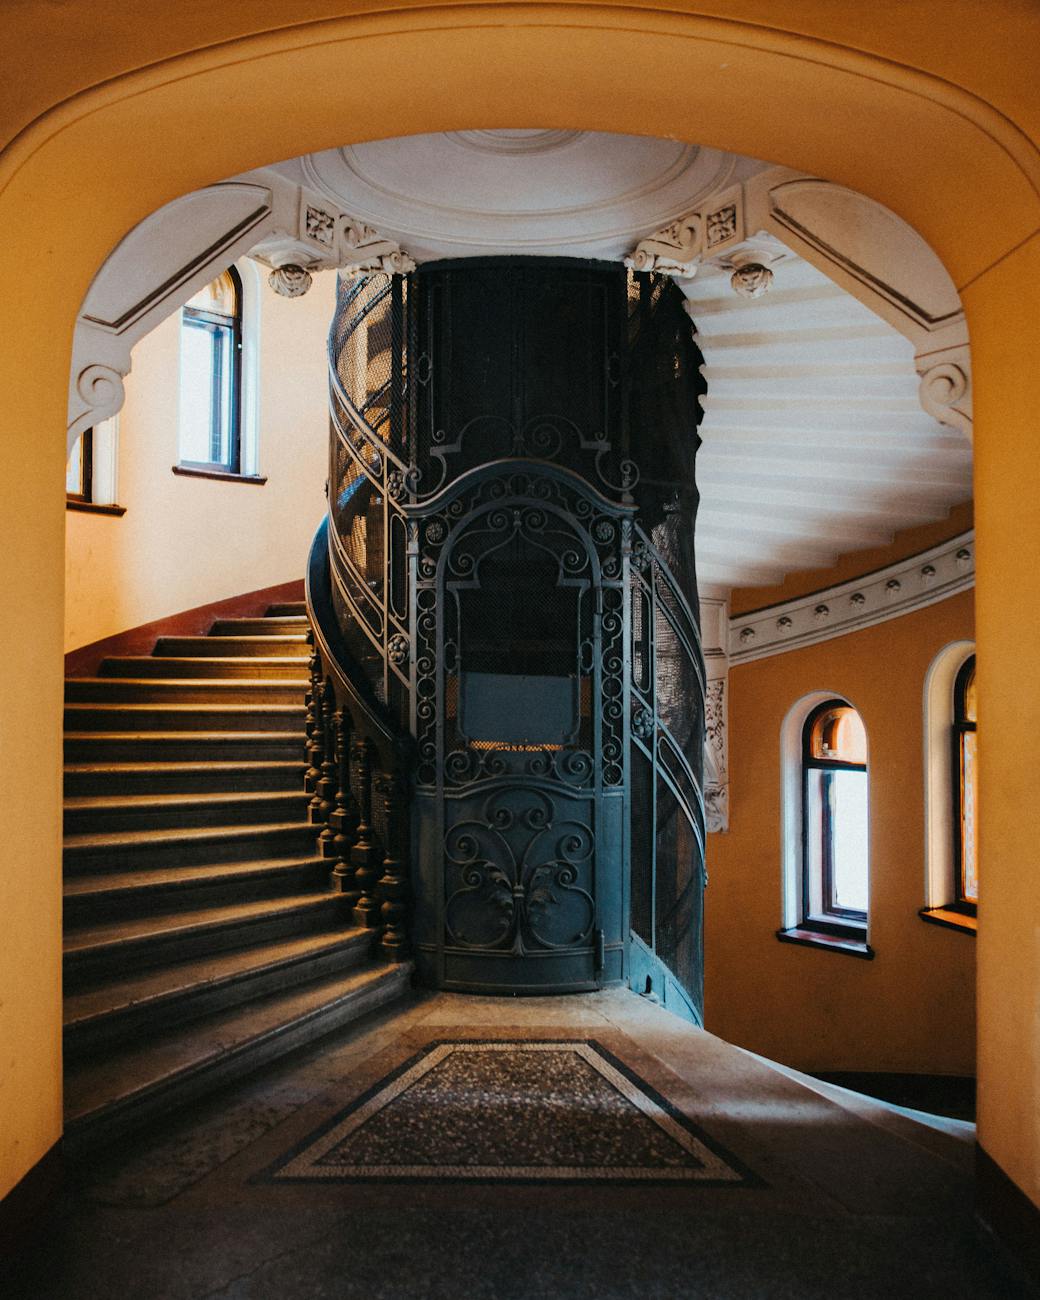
(393,885)
(343,820)
(314,726)
(364,855)
(325,791)
(317,748)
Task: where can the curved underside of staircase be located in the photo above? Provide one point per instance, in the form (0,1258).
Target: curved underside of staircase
(202,939)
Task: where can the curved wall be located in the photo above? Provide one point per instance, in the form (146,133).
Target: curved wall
(95,113)
(912,1008)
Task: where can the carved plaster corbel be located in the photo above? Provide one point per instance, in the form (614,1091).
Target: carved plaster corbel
(675,250)
(96,394)
(945,388)
(364,249)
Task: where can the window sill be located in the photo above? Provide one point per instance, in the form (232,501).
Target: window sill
(93,508)
(222,475)
(951,919)
(835,942)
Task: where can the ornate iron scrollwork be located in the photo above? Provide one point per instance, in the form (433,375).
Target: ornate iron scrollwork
(523,874)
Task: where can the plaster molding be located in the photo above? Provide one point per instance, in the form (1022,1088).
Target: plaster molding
(871,253)
(945,390)
(504,192)
(364,249)
(899,589)
(714,621)
(177,250)
(290,281)
(716,753)
(679,248)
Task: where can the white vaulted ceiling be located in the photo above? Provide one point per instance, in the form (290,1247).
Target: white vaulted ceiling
(821,426)
(815,442)
(814,439)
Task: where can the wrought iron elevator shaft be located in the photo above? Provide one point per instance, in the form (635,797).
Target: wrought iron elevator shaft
(513,502)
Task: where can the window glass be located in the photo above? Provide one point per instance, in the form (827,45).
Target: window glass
(209,376)
(77,475)
(838,733)
(834,817)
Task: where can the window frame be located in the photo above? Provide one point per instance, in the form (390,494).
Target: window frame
(99,463)
(961,726)
(941,795)
(85,496)
(198,317)
(832,919)
(798,926)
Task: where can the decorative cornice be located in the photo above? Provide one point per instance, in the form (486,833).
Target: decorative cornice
(899,589)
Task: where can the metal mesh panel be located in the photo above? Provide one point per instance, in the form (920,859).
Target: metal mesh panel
(664,411)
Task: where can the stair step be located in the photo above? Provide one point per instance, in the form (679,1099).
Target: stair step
(276,667)
(185,717)
(154,1000)
(290,625)
(292,647)
(100,814)
(110,779)
(185,690)
(287,609)
(140,850)
(137,1083)
(110,895)
(181,746)
(118,948)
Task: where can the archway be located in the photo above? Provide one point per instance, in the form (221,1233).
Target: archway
(95,163)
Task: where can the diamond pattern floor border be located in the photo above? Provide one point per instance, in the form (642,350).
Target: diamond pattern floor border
(475,1110)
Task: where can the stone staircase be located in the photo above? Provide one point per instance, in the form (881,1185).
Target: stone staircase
(201,937)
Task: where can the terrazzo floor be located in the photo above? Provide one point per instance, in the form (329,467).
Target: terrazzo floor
(489,1148)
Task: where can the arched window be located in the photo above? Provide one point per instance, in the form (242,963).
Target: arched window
(965,785)
(211,377)
(824,828)
(90,471)
(834,818)
(951,862)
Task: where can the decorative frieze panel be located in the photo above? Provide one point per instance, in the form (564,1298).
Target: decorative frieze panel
(679,248)
(714,639)
(900,589)
(322,237)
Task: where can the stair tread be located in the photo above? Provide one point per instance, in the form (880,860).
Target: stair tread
(202,683)
(216,767)
(211,799)
(134,1071)
(184,736)
(253,660)
(82,938)
(275,638)
(299,620)
(91,884)
(161,983)
(183,834)
(173,708)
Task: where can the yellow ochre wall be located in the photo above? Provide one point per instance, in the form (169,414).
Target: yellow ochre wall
(103,119)
(188,541)
(911,1009)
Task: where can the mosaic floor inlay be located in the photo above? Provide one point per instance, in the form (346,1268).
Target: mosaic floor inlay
(511,1111)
